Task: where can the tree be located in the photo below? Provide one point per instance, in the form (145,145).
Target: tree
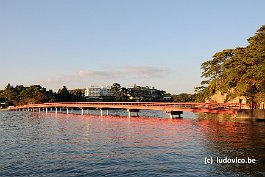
(213,71)
(63,94)
(237,72)
(116,90)
(124,94)
(184,97)
(77,94)
(9,87)
(21,95)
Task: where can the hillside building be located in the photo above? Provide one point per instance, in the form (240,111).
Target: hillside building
(97,92)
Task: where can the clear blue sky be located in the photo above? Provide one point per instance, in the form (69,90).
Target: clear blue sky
(158,43)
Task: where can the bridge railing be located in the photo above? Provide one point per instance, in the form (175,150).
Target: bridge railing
(160,104)
(139,104)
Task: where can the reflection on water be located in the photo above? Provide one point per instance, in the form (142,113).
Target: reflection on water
(48,144)
(233,138)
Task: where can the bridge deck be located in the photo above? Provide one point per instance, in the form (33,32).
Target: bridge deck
(230,108)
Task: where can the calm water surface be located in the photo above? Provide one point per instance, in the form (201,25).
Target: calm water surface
(48,144)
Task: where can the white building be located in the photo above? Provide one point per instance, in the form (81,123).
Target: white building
(105,91)
(96,92)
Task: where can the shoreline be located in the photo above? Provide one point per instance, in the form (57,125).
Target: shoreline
(4,109)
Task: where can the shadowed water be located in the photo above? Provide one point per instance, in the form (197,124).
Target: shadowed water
(49,144)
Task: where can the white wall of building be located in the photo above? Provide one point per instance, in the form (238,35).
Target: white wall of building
(94,91)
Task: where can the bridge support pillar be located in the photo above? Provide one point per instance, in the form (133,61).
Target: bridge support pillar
(82,111)
(60,110)
(172,113)
(102,109)
(46,110)
(56,110)
(132,110)
(67,111)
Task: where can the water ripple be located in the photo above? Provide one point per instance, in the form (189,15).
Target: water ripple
(40,144)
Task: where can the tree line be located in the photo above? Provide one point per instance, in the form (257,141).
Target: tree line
(35,94)
(236,72)
(21,95)
(138,93)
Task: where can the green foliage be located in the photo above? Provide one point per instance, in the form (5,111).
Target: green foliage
(63,94)
(237,72)
(184,97)
(77,95)
(35,94)
(118,93)
(115,89)
(137,93)
(21,95)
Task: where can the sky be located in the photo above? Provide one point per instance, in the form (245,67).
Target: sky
(156,43)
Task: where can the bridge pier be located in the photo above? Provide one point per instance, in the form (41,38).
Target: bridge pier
(102,109)
(82,111)
(130,111)
(172,113)
(56,110)
(67,111)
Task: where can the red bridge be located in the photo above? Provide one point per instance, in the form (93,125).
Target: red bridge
(171,108)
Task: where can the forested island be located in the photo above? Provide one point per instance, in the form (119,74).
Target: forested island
(20,95)
(236,72)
